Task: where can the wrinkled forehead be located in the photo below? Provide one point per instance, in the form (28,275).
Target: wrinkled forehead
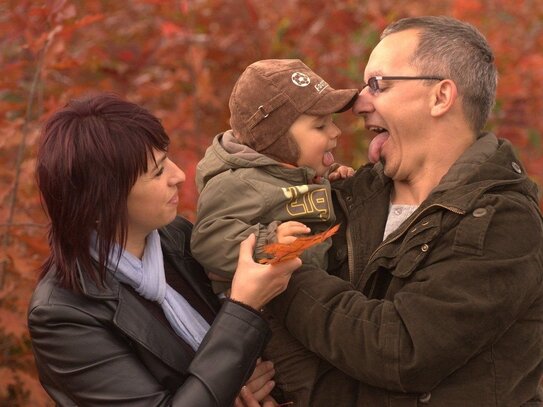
(392,55)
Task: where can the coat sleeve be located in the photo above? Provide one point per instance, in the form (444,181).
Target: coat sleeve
(229,210)
(451,309)
(113,373)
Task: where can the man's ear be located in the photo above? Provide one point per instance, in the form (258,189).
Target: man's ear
(444,95)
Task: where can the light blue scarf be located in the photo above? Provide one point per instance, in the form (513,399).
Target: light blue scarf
(147,277)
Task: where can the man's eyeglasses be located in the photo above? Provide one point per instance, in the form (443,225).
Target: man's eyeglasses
(373,82)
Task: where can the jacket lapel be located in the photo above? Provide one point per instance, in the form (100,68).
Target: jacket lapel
(175,247)
(138,323)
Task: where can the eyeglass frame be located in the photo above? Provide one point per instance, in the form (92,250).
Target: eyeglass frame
(375,79)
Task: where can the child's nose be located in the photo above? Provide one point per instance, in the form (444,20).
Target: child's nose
(336,131)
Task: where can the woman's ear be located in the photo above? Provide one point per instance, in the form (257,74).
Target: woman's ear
(444,95)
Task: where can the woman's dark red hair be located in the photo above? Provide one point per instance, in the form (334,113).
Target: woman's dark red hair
(91,152)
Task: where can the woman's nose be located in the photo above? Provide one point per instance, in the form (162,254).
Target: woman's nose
(182,176)
(178,175)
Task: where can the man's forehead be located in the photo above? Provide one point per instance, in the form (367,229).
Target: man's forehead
(391,54)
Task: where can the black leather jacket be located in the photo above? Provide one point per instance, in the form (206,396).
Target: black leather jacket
(104,347)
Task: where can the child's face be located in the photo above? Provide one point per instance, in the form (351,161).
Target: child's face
(316,137)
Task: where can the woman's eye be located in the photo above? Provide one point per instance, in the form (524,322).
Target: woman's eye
(160,172)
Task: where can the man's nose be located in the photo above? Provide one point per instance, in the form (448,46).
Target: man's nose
(363,103)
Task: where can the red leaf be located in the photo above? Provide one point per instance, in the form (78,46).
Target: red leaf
(286,251)
(89,19)
(170,29)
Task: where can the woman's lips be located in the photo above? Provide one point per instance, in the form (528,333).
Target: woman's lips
(175,199)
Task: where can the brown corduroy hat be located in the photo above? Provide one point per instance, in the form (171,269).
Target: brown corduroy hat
(271,94)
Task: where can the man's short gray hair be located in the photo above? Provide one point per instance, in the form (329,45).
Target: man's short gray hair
(458,51)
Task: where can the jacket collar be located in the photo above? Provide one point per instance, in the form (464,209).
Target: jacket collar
(488,163)
(226,153)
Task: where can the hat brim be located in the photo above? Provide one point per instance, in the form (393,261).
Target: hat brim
(335,101)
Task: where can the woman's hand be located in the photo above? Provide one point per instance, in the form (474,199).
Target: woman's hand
(256,284)
(258,387)
(287,232)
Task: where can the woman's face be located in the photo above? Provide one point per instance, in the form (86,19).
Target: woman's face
(152,201)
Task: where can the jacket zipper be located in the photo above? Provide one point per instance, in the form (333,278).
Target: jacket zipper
(350,260)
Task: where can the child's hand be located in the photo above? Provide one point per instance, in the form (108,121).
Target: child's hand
(341,172)
(287,232)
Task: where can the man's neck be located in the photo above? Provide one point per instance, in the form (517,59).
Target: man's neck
(415,190)
(444,153)
(405,193)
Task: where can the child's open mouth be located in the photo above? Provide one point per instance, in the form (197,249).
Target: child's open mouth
(328,159)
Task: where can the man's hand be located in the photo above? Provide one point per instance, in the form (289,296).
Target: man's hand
(258,387)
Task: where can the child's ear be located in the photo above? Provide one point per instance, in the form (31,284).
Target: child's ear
(443,97)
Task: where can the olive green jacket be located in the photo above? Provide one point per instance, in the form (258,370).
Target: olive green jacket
(448,310)
(244,192)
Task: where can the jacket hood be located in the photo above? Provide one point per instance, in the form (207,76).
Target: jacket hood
(227,153)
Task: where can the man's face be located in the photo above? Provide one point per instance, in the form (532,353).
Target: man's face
(399,113)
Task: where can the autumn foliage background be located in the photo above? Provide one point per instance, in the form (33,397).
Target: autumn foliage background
(180,59)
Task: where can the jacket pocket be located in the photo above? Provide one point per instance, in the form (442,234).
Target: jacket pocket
(416,245)
(404,400)
(471,232)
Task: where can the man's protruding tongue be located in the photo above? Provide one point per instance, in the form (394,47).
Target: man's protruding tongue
(374,149)
(328,159)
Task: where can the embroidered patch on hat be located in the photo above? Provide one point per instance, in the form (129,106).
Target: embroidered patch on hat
(300,79)
(321,86)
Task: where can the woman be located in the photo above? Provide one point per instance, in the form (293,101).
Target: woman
(123,315)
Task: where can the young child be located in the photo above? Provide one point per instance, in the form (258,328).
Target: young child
(268,176)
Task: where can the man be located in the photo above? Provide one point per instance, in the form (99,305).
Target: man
(440,254)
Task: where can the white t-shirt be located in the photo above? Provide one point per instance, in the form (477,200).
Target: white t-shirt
(397,214)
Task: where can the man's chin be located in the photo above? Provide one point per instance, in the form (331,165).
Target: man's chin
(386,169)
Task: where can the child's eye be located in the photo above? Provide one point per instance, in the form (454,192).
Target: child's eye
(320,127)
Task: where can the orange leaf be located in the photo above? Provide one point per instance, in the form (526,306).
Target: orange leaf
(286,251)
(89,19)
(170,29)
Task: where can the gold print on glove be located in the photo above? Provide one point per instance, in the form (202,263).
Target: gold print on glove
(303,201)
